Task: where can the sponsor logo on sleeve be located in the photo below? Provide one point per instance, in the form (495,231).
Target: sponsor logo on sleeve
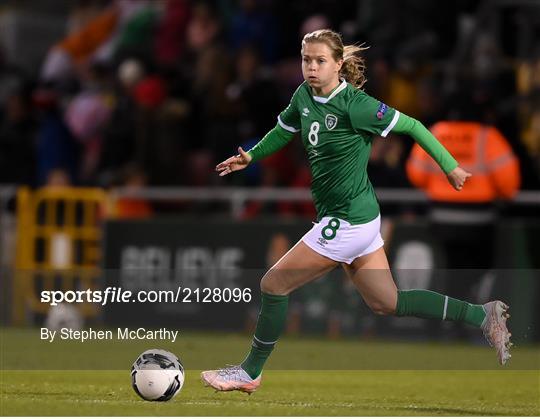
(382,110)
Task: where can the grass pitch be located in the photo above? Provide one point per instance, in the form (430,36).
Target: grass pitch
(481,390)
(296,393)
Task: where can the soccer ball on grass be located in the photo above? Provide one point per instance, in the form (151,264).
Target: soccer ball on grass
(157,375)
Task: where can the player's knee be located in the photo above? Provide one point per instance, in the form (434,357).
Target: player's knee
(382,308)
(271,284)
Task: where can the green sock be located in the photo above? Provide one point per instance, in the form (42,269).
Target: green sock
(431,305)
(270,324)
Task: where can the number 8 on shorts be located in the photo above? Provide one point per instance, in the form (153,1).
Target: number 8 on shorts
(329,232)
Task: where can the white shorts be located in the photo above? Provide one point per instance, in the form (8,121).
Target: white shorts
(340,241)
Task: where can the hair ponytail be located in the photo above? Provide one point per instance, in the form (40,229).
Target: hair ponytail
(354,66)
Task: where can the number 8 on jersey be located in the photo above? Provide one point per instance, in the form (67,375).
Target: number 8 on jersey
(313,136)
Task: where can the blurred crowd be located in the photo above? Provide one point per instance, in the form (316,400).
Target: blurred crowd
(140,92)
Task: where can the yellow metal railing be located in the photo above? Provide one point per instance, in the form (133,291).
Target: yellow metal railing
(58,246)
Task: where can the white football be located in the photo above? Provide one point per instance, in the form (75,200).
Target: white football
(62,316)
(157,375)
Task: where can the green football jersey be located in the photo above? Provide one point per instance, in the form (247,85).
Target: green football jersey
(337,132)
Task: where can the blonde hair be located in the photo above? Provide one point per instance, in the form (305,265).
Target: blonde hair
(354,66)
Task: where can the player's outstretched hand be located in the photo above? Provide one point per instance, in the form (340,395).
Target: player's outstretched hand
(457,178)
(232,164)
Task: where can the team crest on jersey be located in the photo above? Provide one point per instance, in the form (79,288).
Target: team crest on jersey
(330,121)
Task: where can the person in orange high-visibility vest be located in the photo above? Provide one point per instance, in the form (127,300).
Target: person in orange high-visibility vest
(463,223)
(482,151)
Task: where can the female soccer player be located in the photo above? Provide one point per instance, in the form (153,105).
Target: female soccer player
(337,121)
